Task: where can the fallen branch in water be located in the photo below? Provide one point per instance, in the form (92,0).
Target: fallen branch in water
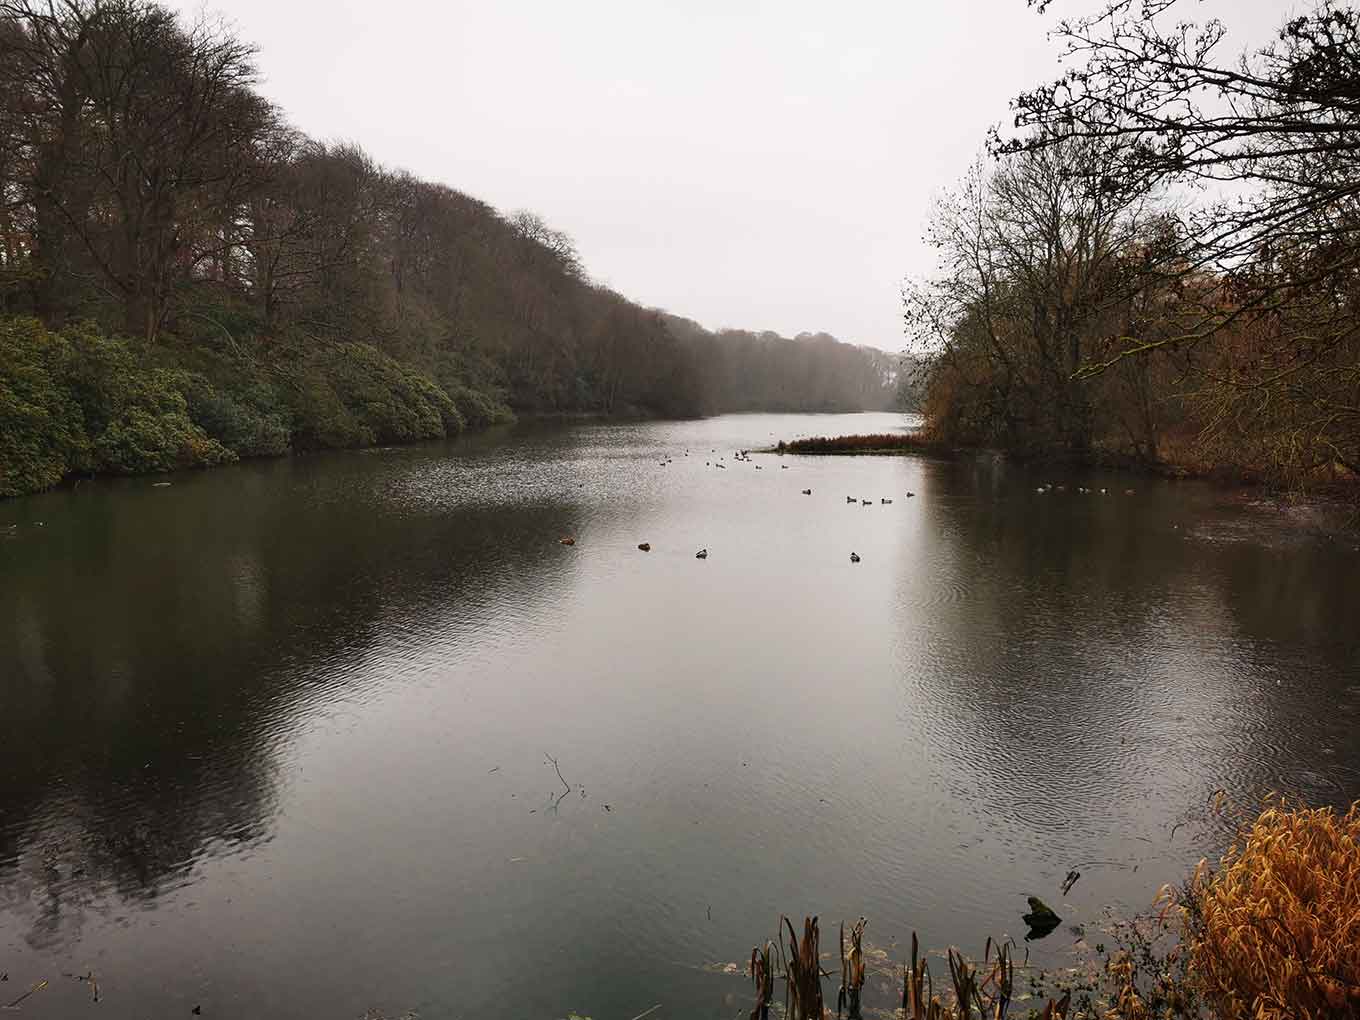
(553,761)
(36,988)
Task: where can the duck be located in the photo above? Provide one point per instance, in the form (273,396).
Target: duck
(807,492)
(849,499)
(867,502)
(910,495)
(566,540)
(702,554)
(886,502)
(645,546)
(854,557)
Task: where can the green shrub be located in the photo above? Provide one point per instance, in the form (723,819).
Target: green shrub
(250,422)
(149,428)
(81,401)
(354,394)
(42,433)
(320,417)
(430,392)
(480,409)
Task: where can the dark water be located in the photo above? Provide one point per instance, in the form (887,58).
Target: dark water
(272,739)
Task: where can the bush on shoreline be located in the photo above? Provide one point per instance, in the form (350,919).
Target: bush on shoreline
(78,402)
(1274,932)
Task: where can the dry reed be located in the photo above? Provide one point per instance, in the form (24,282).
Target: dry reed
(804,972)
(1274,933)
(893,442)
(762,976)
(852,970)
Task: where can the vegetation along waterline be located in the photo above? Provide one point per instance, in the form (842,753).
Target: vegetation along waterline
(186,278)
(886,443)
(1271,933)
(592,698)
(1100,295)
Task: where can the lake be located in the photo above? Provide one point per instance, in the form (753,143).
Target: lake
(275,739)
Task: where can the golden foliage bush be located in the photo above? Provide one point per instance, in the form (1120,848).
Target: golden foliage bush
(1275,931)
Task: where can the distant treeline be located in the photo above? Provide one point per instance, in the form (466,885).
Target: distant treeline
(1098,297)
(158,212)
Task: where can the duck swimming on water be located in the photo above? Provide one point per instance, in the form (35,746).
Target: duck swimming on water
(702,554)
(854,557)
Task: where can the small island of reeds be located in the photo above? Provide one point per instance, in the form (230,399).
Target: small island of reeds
(881,443)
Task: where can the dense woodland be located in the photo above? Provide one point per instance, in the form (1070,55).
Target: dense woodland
(185,278)
(1158,261)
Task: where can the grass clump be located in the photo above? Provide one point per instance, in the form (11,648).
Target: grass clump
(1274,933)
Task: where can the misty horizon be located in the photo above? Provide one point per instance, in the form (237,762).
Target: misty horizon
(762,168)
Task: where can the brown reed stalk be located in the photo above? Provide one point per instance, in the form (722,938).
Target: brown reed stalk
(1274,932)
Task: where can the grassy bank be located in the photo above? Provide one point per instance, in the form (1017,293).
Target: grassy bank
(78,402)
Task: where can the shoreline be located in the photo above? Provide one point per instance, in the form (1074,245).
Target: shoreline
(528,419)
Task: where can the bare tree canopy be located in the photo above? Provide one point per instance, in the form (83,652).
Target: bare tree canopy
(1227,319)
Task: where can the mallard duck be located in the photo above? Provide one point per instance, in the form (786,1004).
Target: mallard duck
(566,540)
(645,546)
(854,557)
(886,502)
(807,492)
(867,502)
(850,499)
(702,554)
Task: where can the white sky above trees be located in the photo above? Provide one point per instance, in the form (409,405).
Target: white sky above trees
(761,165)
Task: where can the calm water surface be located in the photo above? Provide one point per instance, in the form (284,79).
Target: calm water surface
(273,738)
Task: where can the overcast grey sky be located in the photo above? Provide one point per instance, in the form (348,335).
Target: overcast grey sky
(764,165)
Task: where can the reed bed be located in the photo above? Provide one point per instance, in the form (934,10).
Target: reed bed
(893,442)
(980,991)
(1273,933)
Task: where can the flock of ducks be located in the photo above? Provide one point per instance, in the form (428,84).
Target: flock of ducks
(1050,487)
(863,502)
(745,455)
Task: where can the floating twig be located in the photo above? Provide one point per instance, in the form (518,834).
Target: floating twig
(648,1012)
(553,762)
(36,988)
